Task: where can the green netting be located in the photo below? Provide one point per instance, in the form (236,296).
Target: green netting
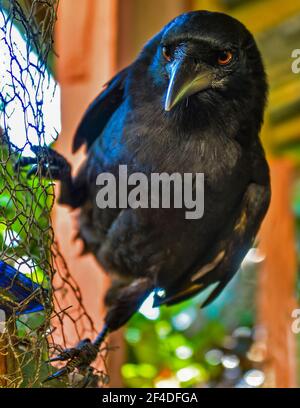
(27,241)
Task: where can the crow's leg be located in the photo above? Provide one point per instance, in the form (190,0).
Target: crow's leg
(50,164)
(122,302)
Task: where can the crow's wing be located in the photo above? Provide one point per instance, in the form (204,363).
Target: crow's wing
(224,260)
(100,111)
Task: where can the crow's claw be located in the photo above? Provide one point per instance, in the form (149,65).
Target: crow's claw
(65,355)
(57,374)
(79,357)
(48,162)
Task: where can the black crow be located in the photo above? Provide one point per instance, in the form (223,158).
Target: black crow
(192,102)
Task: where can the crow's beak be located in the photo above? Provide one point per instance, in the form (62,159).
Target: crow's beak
(186,80)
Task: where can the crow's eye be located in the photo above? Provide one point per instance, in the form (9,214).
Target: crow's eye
(167,53)
(224,57)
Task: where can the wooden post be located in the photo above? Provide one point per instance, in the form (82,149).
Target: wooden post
(139,20)
(277,279)
(3,356)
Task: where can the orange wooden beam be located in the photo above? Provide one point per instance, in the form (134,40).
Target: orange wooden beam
(277,281)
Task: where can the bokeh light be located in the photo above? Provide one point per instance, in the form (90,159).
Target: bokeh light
(168,383)
(230,362)
(183,320)
(254,378)
(254,256)
(184,352)
(214,357)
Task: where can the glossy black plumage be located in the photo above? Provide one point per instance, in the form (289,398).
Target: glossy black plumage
(177,108)
(214,132)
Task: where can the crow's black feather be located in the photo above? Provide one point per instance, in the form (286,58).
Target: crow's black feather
(100,111)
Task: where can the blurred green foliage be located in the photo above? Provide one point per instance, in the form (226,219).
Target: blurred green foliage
(25,242)
(189,347)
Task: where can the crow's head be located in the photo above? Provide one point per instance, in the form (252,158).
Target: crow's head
(206,57)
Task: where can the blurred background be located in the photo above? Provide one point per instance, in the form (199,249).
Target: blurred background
(248,336)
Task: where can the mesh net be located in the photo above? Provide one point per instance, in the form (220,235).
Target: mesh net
(34,278)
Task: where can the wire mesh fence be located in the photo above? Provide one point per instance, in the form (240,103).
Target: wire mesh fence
(34,279)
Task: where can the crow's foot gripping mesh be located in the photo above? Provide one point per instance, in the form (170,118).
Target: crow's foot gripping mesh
(34,279)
